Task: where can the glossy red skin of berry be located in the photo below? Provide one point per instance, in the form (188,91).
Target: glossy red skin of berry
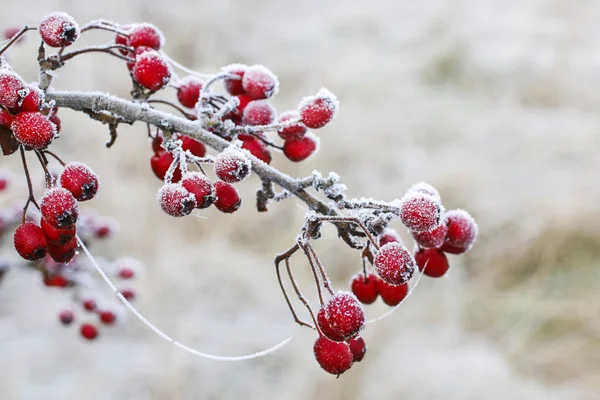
(189,92)
(160,164)
(5,119)
(392,295)
(151,71)
(300,149)
(193,146)
(394,263)
(58,30)
(33,129)
(201,187)
(365,288)
(122,40)
(58,237)
(103,231)
(175,200)
(232,166)
(234,86)
(358,347)
(317,111)
(326,328)
(88,331)
(145,35)
(80,180)
(107,317)
(56,281)
(11,89)
(59,208)
(244,101)
(420,212)
(462,229)
(434,261)
(447,248)
(292,132)
(389,236)
(157,144)
(345,314)
(33,101)
(56,121)
(431,239)
(258,112)
(228,199)
(89,305)
(259,83)
(30,241)
(126,273)
(63,254)
(334,357)
(128,294)
(256,147)
(66,317)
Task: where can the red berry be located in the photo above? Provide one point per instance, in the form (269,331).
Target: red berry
(334,357)
(56,236)
(434,262)
(446,248)
(392,295)
(80,180)
(12,88)
(326,328)
(228,200)
(103,231)
(9,33)
(128,294)
(358,347)
(462,229)
(126,273)
(157,144)
(259,83)
(234,86)
(136,52)
(107,317)
(195,147)
(56,281)
(365,288)
(424,187)
(300,149)
(292,132)
(434,238)
(30,241)
(389,236)
(256,147)
(244,101)
(316,111)
(59,208)
(66,317)
(146,35)
(90,305)
(258,112)
(201,187)
(420,212)
(32,101)
(4,181)
(59,29)
(345,314)
(175,200)
(88,331)
(56,121)
(123,41)
(33,129)
(5,118)
(160,164)
(63,254)
(394,263)
(232,165)
(151,70)
(189,92)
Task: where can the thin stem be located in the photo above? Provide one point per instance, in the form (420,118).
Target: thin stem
(278,260)
(31,197)
(45,168)
(16,37)
(103,49)
(300,295)
(105,27)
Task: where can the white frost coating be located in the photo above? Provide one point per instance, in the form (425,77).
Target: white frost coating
(161,37)
(260,76)
(164,335)
(329,99)
(424,187)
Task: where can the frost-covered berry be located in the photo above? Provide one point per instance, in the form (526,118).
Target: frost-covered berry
(201,187)
(325,326)
(420,212)
(108,317)
(358,347)
(5,119)
(345,314)
(228,200)
(234,86)
(258,112)
(256,147)
(128,294)
(30,241)
(432,261)
(446,248)
(292,132)
(89,305)
(365,288)
(175,200)
(55,281)
(193,146)
(424,187)
(334,357)
(300,149)
(462,229)
(394,263)
(59,29)
(12,89)
(434,238)
(134,55)
(32,101)
(232,165)
(66,317)
(188,92)
(259,83)
(392,295)
(65,253)
(55,120)
(316,111)
(59,208)
(88,331)
(151,70)
(33,129)
(388,236)
(80,180)
(123,41)
(58,237)
(145,35)
(160,164)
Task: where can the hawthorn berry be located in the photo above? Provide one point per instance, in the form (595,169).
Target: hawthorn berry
(88,331)
(33,129)
(59,29)
(6,119)
(32,101)
(189,92)
(90,305)
(388,236)
(136,52)
(300,149)
(193,146)
(145,35)
(80,180)
(4,181)
(126,273)
(394,263)
(123,41)
(55,281)
(424,187)
(258,112)
(66,317)
(345,314)
(9,33)
(65,253)
(160,163)
(151,70)
(325,326)
(107,317)
(30,241)
(334,357)
(59,208)
(392,295)
(244,101)
(358,347)
(12,89)
(201,187)
(420,212)
(228,200)
(447,248)
(462,230)
(259,83)
(234,86)
(316,111)
(175,200)
(292,132)
(55,120)
(433,261)
(232,165)
(256,147)
(365,288)
(57,236)
(157,142)
(128,294)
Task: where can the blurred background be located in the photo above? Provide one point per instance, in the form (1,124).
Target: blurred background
(493,102)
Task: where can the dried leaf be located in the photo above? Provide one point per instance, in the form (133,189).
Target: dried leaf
(8,143)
